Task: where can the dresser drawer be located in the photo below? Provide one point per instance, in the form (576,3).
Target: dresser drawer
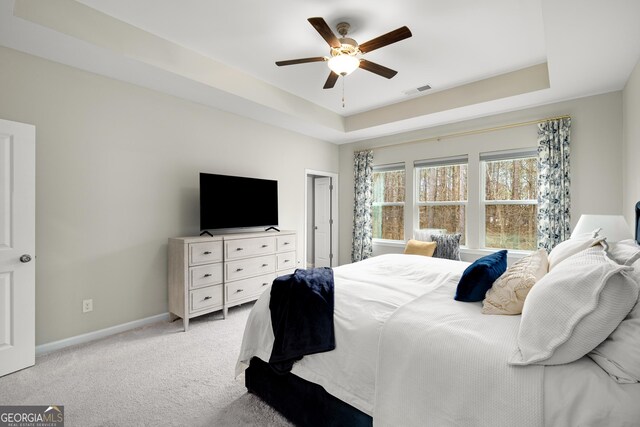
(249,267)
(204,275)
(285,272)
(250,288)
(201,253)
(242,248)
(286,242)
(286,260)
(204,298)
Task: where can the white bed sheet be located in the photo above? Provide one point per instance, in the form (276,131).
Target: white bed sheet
(369,292)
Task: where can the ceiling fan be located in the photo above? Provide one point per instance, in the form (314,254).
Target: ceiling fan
(345,53)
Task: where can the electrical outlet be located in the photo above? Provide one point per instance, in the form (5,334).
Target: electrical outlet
(87,305)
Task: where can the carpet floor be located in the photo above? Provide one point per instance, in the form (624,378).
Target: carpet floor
(156,375)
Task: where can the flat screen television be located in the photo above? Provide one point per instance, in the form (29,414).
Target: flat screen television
(237,202)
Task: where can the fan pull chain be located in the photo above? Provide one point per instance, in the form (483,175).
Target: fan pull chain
(342,91)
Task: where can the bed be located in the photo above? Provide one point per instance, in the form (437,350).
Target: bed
(408,354)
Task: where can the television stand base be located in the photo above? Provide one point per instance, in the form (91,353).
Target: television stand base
(206,232)
(272,228)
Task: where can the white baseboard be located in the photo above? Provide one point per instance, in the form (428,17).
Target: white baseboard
(102,333)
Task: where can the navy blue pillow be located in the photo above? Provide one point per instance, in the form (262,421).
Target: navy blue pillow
(478,278)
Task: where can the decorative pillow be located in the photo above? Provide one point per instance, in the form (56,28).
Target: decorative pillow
(571,247)
(619,354)
(479,276)
(447,246)
(424,234)
(416,247)
(508,293)
(624,252)
(573,309)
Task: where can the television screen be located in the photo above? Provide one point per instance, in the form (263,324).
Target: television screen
(237,202)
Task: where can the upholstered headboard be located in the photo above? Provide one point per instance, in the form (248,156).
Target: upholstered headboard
(638,222)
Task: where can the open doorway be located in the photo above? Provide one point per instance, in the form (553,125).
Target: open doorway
(321,219)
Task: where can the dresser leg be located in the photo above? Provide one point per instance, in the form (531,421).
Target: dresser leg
(224,312)
(185,322)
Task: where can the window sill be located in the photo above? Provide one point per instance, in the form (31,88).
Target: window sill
(512,253)
(389,243)
(479,252)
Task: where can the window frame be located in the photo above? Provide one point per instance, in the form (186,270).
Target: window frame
(483,202)
(391,168)
(417,204)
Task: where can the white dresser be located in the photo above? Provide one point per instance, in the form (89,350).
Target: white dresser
(214,273)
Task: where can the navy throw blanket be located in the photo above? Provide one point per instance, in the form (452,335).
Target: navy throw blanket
(301,316)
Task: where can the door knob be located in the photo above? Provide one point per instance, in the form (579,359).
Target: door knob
(25,258)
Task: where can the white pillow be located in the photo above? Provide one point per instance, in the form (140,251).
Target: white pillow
(619,354)
(424,234)
(571,247)
(624,252)
(593,233)
(573,309)
(508,293)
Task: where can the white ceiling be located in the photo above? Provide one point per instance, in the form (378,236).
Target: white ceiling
(453,42)
(589,47)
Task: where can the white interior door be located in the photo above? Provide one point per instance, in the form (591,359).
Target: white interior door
(322,222)
(17,246)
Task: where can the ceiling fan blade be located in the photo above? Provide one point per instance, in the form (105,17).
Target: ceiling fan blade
(331,81)
(377,69)
(321,26)
(385,39)
(300,61)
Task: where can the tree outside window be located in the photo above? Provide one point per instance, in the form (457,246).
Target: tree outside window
(442,197)
(388,202)
(510,203)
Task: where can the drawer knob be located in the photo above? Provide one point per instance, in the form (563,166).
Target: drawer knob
(239,249)
(264,284)
(286,243)
(239,269)
(207,275)
(265,246)
(207,253)
(207,297)
(239,290)
(286,260)
(265,265)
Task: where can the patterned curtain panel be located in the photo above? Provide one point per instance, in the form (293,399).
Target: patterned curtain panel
(554,196)
(362,245)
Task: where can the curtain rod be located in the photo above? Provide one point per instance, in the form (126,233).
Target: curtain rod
(470,132)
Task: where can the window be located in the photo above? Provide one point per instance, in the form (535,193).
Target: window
(441,194)
(388,202)
(510,200)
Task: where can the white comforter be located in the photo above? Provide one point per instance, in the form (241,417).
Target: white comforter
(366,294)
(408,354)
(452,369)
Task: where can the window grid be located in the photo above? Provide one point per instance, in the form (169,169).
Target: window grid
(450,171)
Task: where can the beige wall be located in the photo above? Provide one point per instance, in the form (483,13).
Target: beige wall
(117,174)
(631,145)
(596,154)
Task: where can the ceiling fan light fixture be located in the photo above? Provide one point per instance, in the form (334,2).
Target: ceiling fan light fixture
(343,65)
